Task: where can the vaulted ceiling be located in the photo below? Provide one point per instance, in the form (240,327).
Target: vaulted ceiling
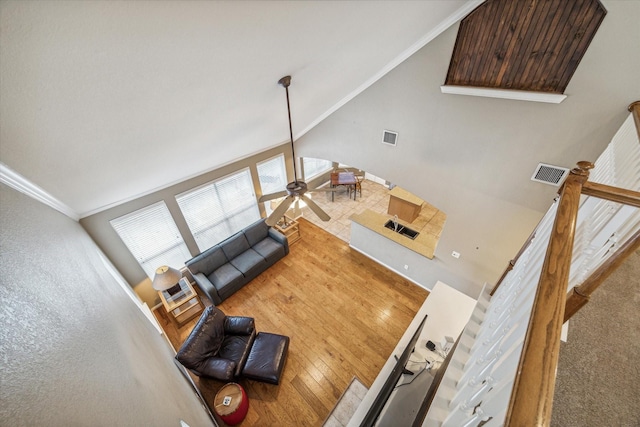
(101,102)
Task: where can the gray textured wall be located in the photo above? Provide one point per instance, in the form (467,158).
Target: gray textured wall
(75,350)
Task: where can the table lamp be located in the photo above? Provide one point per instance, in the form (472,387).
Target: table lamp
(165,278)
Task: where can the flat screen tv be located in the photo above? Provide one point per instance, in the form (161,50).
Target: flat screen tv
(397,371)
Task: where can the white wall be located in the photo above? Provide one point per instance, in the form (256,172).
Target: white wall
(420,270)
(74,348)
(478,175)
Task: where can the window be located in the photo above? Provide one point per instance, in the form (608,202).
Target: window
(152,238)
(220,208)
(314,167)
(273,177)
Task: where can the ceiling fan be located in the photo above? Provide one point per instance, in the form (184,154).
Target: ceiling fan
(295,191)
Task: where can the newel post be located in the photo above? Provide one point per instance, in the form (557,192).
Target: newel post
(532,396)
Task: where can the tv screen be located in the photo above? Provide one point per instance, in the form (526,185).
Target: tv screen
(382,397)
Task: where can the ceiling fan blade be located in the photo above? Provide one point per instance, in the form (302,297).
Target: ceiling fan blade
(324,190)
(315,208)
(279,211)
(272,196)
(296,209)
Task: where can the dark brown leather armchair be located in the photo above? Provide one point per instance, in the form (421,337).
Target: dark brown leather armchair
(218,345)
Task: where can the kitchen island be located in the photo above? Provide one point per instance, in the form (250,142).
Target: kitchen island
(413,259)
(429,224)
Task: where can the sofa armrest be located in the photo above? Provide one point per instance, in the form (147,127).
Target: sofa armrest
(280,238)
(207,287)
(239,325)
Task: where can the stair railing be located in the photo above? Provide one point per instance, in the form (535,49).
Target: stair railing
(502,371)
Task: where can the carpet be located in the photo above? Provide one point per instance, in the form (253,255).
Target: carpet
(347,404)
(598,377)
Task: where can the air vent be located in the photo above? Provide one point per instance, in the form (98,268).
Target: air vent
(389,137)
(548,174)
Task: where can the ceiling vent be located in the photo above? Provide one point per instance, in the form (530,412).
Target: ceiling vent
(390,137)
(549,174)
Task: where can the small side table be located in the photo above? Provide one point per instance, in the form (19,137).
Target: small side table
(290,228)
(231,403)
(181,302)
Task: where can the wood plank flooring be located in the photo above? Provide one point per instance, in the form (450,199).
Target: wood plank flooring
(343,313)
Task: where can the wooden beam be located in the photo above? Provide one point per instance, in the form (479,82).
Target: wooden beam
(579,296)
(615,194)
(532,396)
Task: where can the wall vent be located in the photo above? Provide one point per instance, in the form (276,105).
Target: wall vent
(389,137)
(549,174)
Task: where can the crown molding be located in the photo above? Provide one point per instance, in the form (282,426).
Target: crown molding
(21,184)
(518,95)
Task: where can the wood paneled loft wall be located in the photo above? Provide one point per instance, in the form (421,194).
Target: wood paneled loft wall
(525,45)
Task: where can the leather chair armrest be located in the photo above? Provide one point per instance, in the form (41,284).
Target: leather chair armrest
(207,287)
(216,367)
(280,238)
(239,325)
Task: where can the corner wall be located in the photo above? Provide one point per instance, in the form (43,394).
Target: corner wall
(100,230)
(74,348)
(446,155)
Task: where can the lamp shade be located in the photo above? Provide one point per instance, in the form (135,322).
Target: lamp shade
(165,278)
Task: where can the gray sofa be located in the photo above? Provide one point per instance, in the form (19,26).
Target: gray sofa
(225,268)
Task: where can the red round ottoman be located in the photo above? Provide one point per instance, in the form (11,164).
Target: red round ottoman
(231,403)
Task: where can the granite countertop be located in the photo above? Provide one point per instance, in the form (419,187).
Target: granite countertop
(429,224)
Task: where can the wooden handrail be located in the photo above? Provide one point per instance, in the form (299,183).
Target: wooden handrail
(512,263)
(532,395)
(614,194)
(579,296)
(634,108)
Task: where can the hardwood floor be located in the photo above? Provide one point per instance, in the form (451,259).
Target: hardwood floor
(344,314)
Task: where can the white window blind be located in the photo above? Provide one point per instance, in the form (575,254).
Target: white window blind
(217,210)
(152,238)
(272,175)
(314,167)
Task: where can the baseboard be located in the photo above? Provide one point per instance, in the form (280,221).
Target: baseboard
(399,273)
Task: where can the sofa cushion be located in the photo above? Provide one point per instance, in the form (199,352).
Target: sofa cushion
(270,250)
(207,261)
(218,368)
(267,358)
(236,348)
(256,232)
(234,245)
(250,263)
(204,341)
(226,276)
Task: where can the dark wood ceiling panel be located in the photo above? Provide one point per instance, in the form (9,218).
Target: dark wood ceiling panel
(533,45)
